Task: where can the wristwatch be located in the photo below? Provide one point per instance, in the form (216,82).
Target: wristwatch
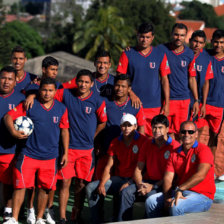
(197,100)
(178,189)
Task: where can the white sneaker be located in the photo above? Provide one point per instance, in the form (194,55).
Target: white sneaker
(31,219)
(11,221)
(221,178)
(49,215)
(40,221)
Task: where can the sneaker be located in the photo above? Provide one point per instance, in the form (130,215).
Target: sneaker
(31,219)
(62,221)
(40,221)
(7,216)
(221,178)
(49,215)
(11,221)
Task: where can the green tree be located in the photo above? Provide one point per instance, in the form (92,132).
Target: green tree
(196,10)
(105,30)
(19,33)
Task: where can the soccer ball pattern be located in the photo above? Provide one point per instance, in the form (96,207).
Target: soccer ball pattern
(24,124)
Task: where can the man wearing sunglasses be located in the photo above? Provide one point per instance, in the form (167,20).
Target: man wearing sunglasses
(193,168)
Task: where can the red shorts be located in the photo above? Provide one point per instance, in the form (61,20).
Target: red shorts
(150,113)
(27,169)
(80,165)
(214,117)
(6,168)
(179,110)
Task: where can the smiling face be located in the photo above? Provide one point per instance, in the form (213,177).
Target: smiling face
(178,37)
(188,134)
(218,45)
(102,65)
(7,82)
(160,131)
(18,60)
(121,88)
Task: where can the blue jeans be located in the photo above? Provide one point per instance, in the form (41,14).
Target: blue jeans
(127,199)
(194,202)
(112,186)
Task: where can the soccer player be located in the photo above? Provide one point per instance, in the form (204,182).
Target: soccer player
(215,101)
(117,106)
(39,155)
(192,168)
(87,117)
(182,66)
(9,98)
(103,81)
(123,155)
(18,59)
(154,159)
(148,69)
(204,74)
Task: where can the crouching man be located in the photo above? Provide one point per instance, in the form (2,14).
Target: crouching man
(193,168)
(123,154)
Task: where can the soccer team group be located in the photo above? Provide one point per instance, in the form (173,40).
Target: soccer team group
(135,135)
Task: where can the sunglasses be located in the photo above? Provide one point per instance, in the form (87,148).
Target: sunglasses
(190,132)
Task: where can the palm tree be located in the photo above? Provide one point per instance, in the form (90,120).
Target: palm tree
(107,30)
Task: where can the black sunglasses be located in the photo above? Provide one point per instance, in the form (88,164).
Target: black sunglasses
(190,132)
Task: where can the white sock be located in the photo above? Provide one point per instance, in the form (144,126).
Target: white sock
(7,209)
(31,210)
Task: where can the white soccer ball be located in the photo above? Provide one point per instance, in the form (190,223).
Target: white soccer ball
(24,124)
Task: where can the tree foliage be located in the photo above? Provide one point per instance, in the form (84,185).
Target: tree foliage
(19,33)
(196,10)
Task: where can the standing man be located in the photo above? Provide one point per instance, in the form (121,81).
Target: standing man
(192,168)
(123,154)
(9,98)
(39,158)
(103,81)
(204,74)
(87,117)
(148,69)
(18,59)
(154,159)
(215,102)
(183,73)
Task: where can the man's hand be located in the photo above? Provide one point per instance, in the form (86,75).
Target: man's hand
(19,134)
(195,109)
(29,101)
(124,186)
(145,188)
(64,161)
(135,101)
(203,111)
(165,109)
(178,196)
(167,203)
(102,190)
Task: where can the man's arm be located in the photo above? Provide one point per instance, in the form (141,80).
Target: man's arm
(105,176)
(65,143)
(166,90)
(167,188)
(204,99)
(99,128)
(135,101)
(194,89)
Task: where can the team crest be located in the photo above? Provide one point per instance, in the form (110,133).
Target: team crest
(167,64)
(152,65)
(88,110)
(135,149)
(167,154)
(11,106)
(199,68)
(55,119)
(105,110)
(222,69)
(193,158)
(183,63)
(120,64)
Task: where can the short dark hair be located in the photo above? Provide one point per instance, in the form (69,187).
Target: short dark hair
(198,33)
(48,61)
(218,34)
(179,26)
(48,80)
(160,119)
(8,69)
(18,49)
(102,53)
(146,28)
(84,72)
(188,122)
(122,77)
